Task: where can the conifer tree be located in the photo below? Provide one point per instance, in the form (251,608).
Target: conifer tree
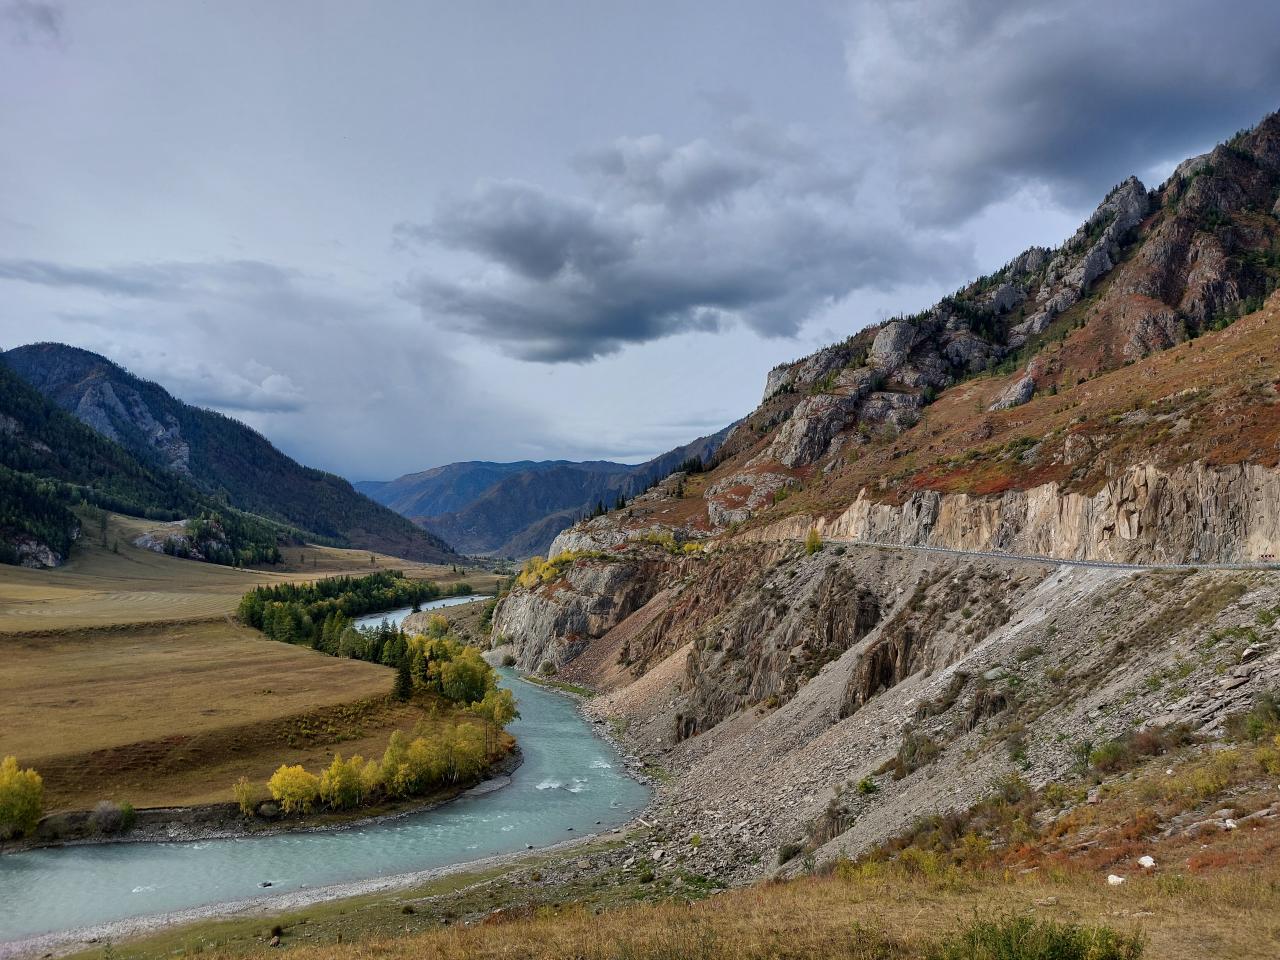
(403,689)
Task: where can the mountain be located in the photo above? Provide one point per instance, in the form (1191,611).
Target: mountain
(454,486)
(516,509)
(901,588)
(219,456)
(50,462)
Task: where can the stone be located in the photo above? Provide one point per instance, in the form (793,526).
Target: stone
(1114,881)
(1015,395)
(1147,862)
(892,344)
(804,438)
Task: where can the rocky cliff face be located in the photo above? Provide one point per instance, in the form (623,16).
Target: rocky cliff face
(1198,514)
(553,623)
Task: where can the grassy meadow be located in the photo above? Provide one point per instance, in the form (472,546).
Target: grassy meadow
(127,678)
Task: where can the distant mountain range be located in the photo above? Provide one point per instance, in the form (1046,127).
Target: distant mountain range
(516,509)
(185,456)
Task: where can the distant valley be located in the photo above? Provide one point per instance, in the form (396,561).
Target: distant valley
(517,509)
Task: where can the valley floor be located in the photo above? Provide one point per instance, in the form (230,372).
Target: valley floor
(127,679)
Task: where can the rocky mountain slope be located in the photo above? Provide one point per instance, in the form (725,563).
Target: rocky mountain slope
(219,456)
(52,465)
(1113,399)
(516,509)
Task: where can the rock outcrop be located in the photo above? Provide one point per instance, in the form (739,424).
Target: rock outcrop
(552,623)
(1196,514)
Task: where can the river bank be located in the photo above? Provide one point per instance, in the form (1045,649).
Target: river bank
(270,905)
(571,783)
(224,821)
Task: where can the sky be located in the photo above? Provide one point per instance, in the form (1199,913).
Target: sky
(395,235)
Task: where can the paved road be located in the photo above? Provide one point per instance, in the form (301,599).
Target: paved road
(1101,564)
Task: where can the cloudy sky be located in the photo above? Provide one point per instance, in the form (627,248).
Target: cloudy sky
(395,235)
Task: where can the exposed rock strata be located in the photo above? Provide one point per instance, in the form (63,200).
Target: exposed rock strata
(1196,514)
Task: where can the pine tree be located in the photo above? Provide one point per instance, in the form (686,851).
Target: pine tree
(403,689)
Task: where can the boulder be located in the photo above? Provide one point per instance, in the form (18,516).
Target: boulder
(1006,297)
(892,344)
(900,409)
(1015,395)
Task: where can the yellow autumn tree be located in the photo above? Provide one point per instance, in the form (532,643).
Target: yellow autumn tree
(294,789)
(21,799)
(341,786)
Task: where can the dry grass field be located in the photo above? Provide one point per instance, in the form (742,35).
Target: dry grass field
(125,676)
(101,588)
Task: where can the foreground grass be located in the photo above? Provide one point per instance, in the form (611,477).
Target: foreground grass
(556,906)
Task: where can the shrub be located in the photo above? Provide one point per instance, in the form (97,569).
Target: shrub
(1026,938)
(916,750)
(508,660)
(867,787)
(1123,752)
(548,669)
(21,799)
(107,818)
(246,796)
(294,789)
(1262,720)
(813,541)
(788,852)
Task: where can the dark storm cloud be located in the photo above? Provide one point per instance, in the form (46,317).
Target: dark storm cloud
(759,230)
(27,21)
(975,99)
(525,230)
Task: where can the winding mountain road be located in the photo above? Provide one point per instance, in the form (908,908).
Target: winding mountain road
(1058,561)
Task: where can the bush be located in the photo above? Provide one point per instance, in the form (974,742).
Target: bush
(1025,938)
(21,799)
(548,669)
(916,750)
(508,660)
(245,796)
(1259,722)
(788,852)
(107,818)
(813,541)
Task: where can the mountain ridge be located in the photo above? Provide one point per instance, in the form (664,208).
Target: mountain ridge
(224,458)
(516,509)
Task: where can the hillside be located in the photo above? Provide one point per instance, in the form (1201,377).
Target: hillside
(857,617)
(221,457)
(517,509)
(50,463)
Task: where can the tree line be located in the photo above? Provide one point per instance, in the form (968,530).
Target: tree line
(319,614)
